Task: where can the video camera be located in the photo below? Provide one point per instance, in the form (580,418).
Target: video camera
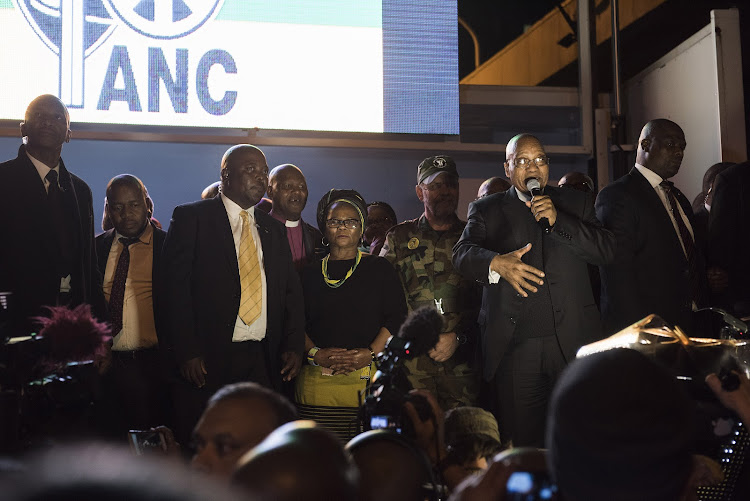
(383,406)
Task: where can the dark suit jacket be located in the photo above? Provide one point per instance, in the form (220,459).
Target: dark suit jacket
(103,246)
(499,224)
(313,240)
(28,249)
(650,272)
(202,285)
(729,234)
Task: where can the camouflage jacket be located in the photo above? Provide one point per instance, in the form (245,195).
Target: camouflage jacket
(423,259)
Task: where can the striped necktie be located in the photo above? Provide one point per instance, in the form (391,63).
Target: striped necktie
(687,240)
(250,280)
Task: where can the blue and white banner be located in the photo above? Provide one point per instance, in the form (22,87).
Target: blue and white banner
(338,65)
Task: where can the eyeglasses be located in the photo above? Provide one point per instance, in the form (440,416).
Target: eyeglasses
(522,162)
(350,224)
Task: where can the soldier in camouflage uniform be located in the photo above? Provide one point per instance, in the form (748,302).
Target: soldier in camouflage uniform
(421,250)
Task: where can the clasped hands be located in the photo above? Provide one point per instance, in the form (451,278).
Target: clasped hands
(343,361)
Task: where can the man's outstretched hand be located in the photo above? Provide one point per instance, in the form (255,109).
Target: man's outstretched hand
(519,275)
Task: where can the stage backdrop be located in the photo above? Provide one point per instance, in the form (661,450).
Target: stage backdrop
(336,65)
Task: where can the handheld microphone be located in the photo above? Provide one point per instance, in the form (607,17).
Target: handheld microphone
(532,184)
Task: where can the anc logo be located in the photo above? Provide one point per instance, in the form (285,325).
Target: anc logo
(164,18)
(74,29)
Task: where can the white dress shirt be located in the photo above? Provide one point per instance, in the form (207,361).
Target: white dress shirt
(655,180)
(257,330)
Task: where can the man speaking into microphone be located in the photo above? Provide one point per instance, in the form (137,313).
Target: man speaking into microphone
(530,246)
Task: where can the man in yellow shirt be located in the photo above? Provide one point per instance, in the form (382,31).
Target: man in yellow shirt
(129,256)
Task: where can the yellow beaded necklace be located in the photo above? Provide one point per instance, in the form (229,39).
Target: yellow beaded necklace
(335,284)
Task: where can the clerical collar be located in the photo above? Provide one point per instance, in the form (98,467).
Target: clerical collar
(287,223)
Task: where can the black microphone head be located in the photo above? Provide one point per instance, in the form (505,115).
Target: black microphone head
(422,328)
(532,184)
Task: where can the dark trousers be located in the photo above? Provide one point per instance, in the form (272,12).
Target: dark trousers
(135,393)
(245,362)
(523,384)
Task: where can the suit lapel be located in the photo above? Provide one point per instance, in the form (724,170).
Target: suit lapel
(265,239)
(516,212)
(225,234)
(71,200)
(37,212)
(656,207)
(307,240)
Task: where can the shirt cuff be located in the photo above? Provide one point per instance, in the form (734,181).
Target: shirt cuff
(494,277)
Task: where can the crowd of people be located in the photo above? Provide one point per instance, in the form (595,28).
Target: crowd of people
(246,338)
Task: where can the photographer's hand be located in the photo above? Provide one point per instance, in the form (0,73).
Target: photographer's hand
(489,485)
(429,434)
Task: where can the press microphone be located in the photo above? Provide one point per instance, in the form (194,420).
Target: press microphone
(422,330)
(532,184)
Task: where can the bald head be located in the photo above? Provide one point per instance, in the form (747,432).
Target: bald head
(492,185)
(390,468)
(661,147)
(244,175)
(47,100)
(287,189)
(46,127)
(578,181)
(238,150)
(126,180)
(525,159)
(211,190)
(520,139)
(298,461)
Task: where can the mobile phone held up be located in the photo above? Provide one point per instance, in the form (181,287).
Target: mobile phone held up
(146,441)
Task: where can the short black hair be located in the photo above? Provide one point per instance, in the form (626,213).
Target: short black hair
(282,408)
(126,180)
(386,207)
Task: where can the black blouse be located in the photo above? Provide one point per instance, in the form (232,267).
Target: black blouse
(351,316)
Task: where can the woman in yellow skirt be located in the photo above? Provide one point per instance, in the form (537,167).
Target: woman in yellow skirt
(353,303)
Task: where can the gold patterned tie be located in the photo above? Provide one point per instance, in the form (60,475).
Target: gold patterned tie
(252,289)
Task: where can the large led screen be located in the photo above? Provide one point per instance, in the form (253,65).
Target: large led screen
(338,65)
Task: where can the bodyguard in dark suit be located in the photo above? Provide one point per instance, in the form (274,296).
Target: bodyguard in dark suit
(234,301)
(47,254)
(537,305)
(658,267)
(287,188)
(129,256)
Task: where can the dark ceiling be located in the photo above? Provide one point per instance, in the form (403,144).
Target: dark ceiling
(498,22)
